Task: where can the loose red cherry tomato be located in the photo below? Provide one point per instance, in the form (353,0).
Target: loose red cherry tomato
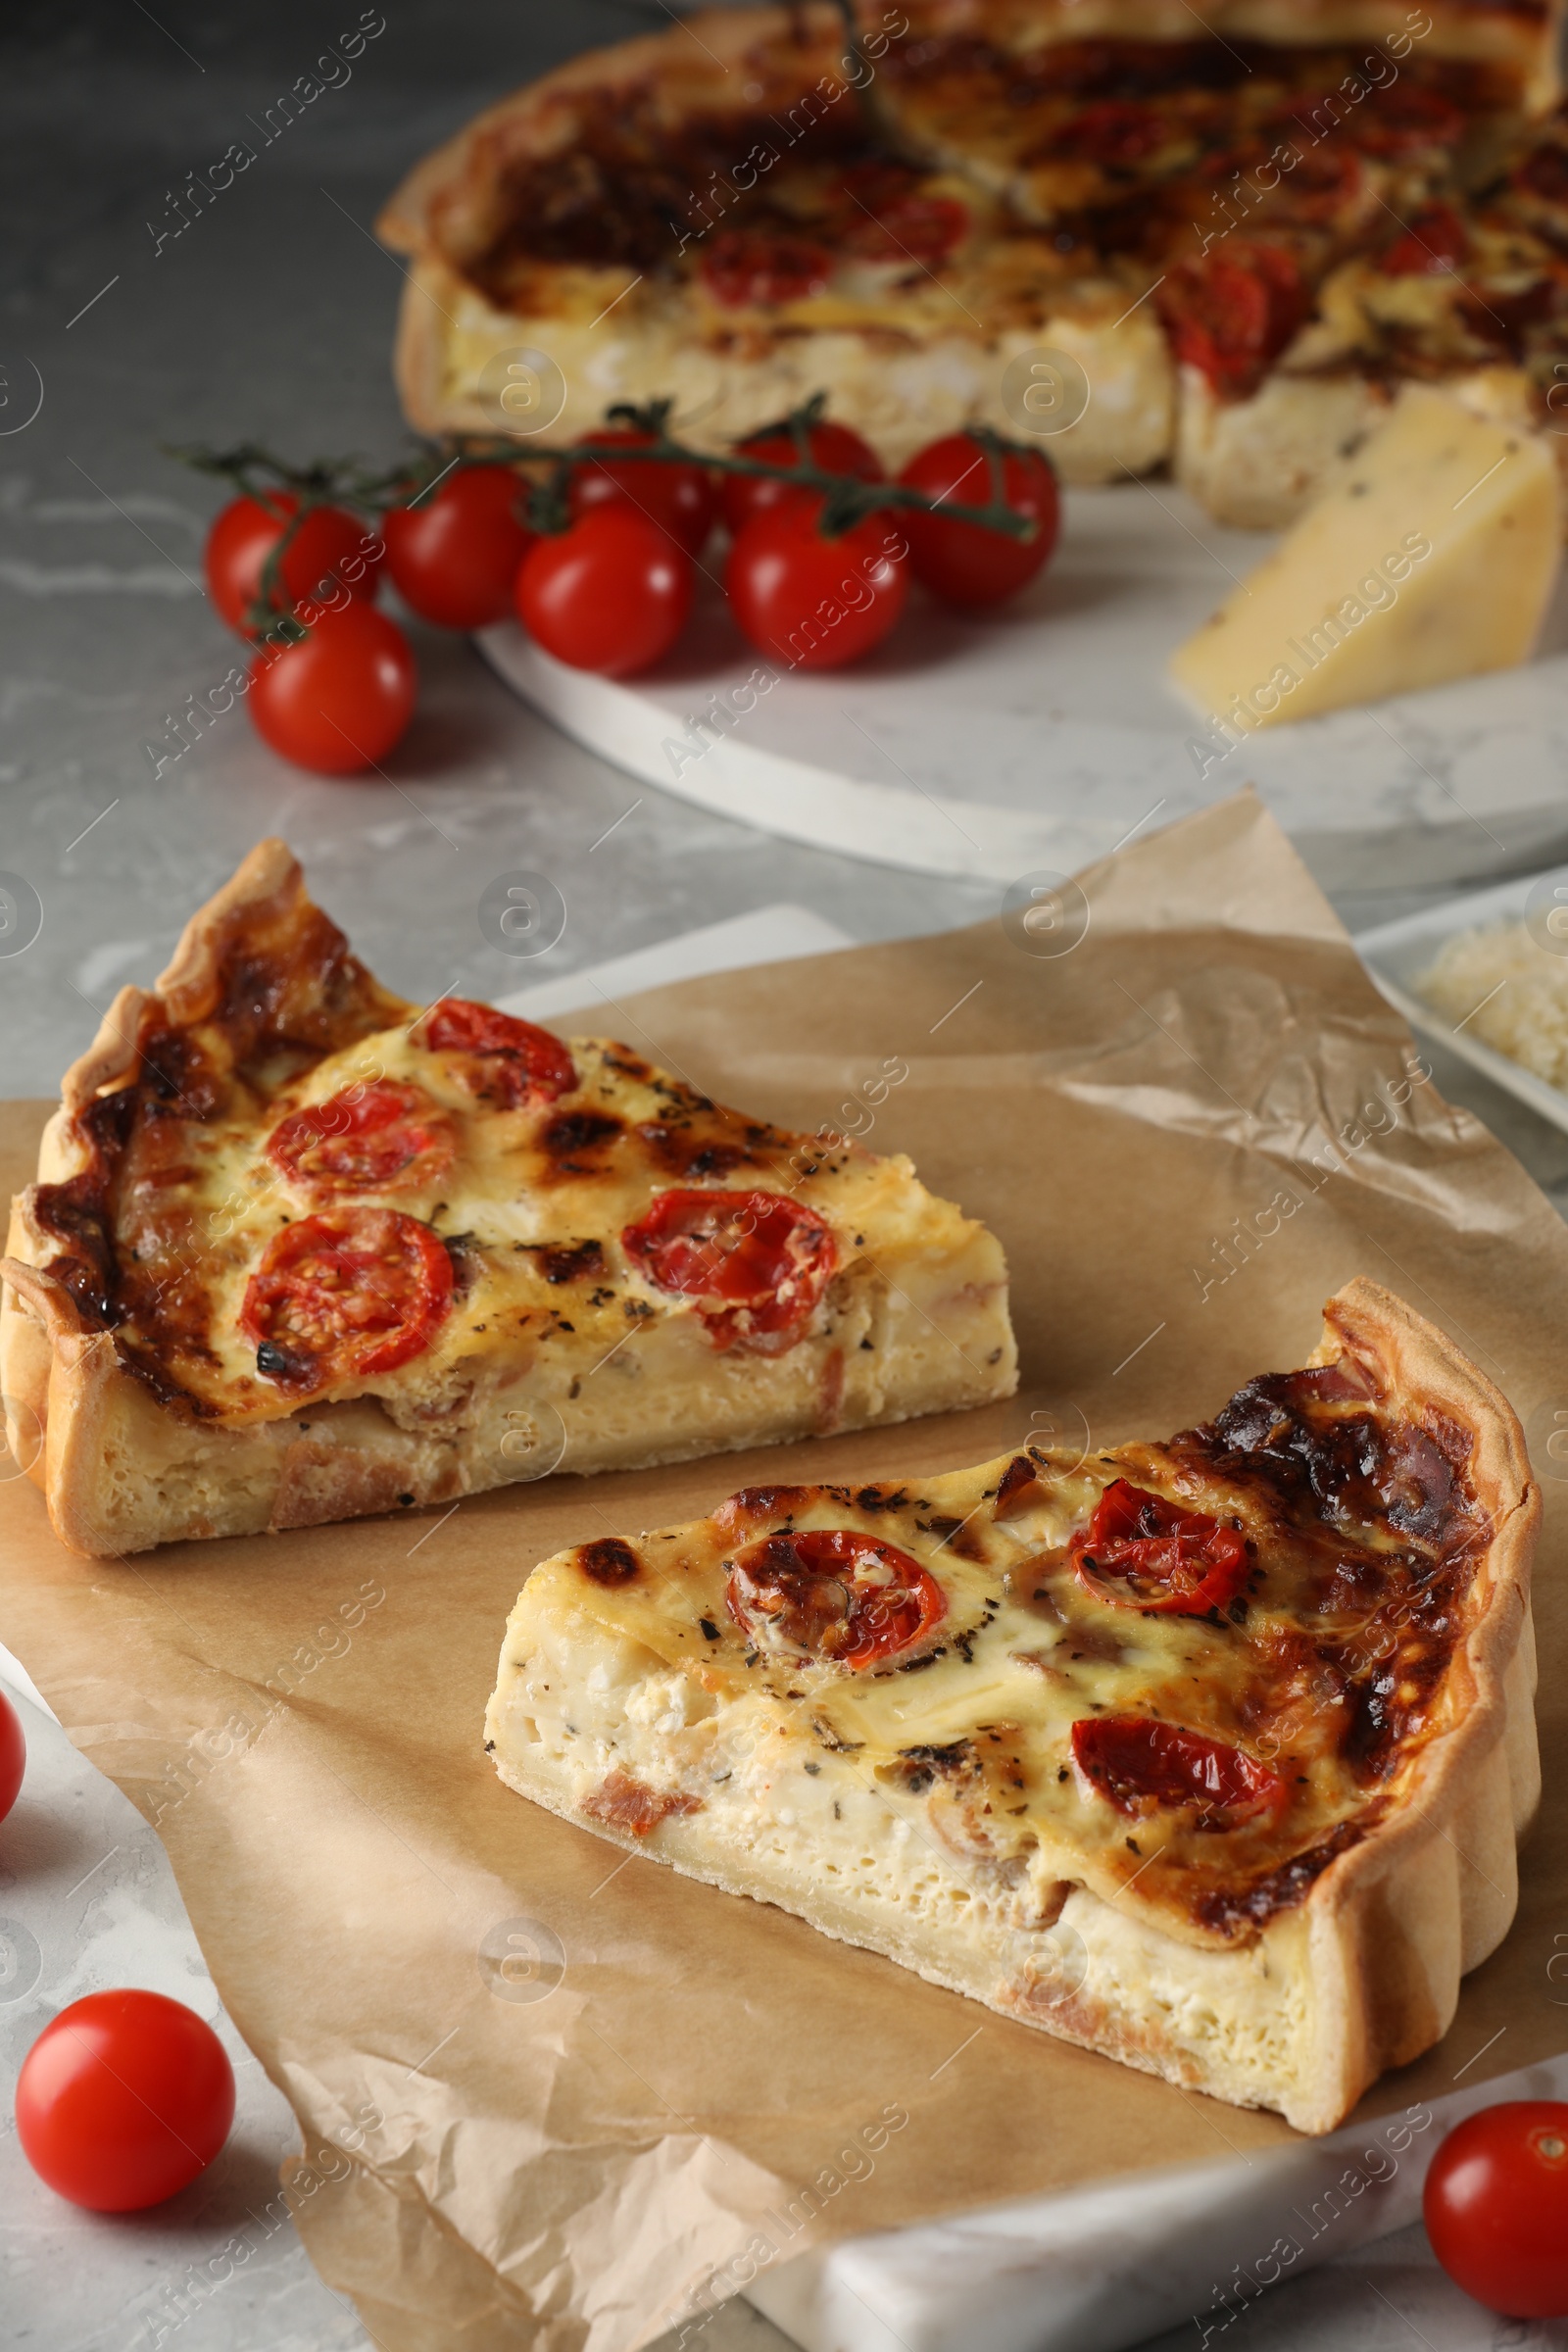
(834,1594)
(12,1755)
(344,1295)
(122,2099)
(330,545)
(1140,1551)
(759,1263)
(1232,314)
(836,448)
(1140,1766)
(680,499)
(1435,239)
(381,1137)
(745,267)
(963,562)
(504,1060)
(454,553)
(814,602)
(1496,2207)
(338,701)
(610,595)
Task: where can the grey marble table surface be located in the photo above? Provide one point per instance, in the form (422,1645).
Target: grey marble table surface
(131,318)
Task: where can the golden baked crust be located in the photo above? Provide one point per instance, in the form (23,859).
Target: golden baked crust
(950,1801)
(299,1251)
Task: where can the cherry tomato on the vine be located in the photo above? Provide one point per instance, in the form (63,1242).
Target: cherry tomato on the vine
(814,602)
(340,699)
(1495,2206)
(122,2099)
(12,1755)
(681,499)
(835,448)
(963,562)
(330,545)
(611,594)
(452,554)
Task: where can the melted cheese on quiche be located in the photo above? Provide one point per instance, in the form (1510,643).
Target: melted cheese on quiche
(531,1209)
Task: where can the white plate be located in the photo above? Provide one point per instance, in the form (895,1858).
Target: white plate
(1040,737)
(1397,953)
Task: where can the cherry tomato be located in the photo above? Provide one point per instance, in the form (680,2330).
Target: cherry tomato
(344,1295)
(836,448)
(745,267)
(1140,1551)
(760,1262)
(816,603)
(454,555)
(382,1137)
(504,1060)
(339,700)
(611,594)
(680,499)
(1496,2207)
(122,2099)
(1141,1767)
(12,1755)
(330,545)
(963,562)
(1232,314)
(834,1594)
(1435,239)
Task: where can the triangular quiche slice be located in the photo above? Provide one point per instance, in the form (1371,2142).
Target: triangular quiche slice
(1209,1755)
(300,1251)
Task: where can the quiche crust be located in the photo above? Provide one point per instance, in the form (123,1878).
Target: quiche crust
(144,1413)
(1288,1977)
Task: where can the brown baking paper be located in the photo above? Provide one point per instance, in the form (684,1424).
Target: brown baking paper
(546,2090)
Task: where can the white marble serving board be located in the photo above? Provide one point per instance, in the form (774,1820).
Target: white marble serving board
(1038,738)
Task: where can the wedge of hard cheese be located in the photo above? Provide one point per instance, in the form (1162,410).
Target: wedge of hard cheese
(1432,557)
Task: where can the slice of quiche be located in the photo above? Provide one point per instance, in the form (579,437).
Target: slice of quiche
(300,1251)
(1209,1755)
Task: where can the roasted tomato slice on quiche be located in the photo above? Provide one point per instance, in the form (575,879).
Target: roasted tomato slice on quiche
(381,1137)
(496,1056)
(344,1295)
(757,1264)
(1222,1843)
(1142,1766)
(1142,1551)
(834,1594)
